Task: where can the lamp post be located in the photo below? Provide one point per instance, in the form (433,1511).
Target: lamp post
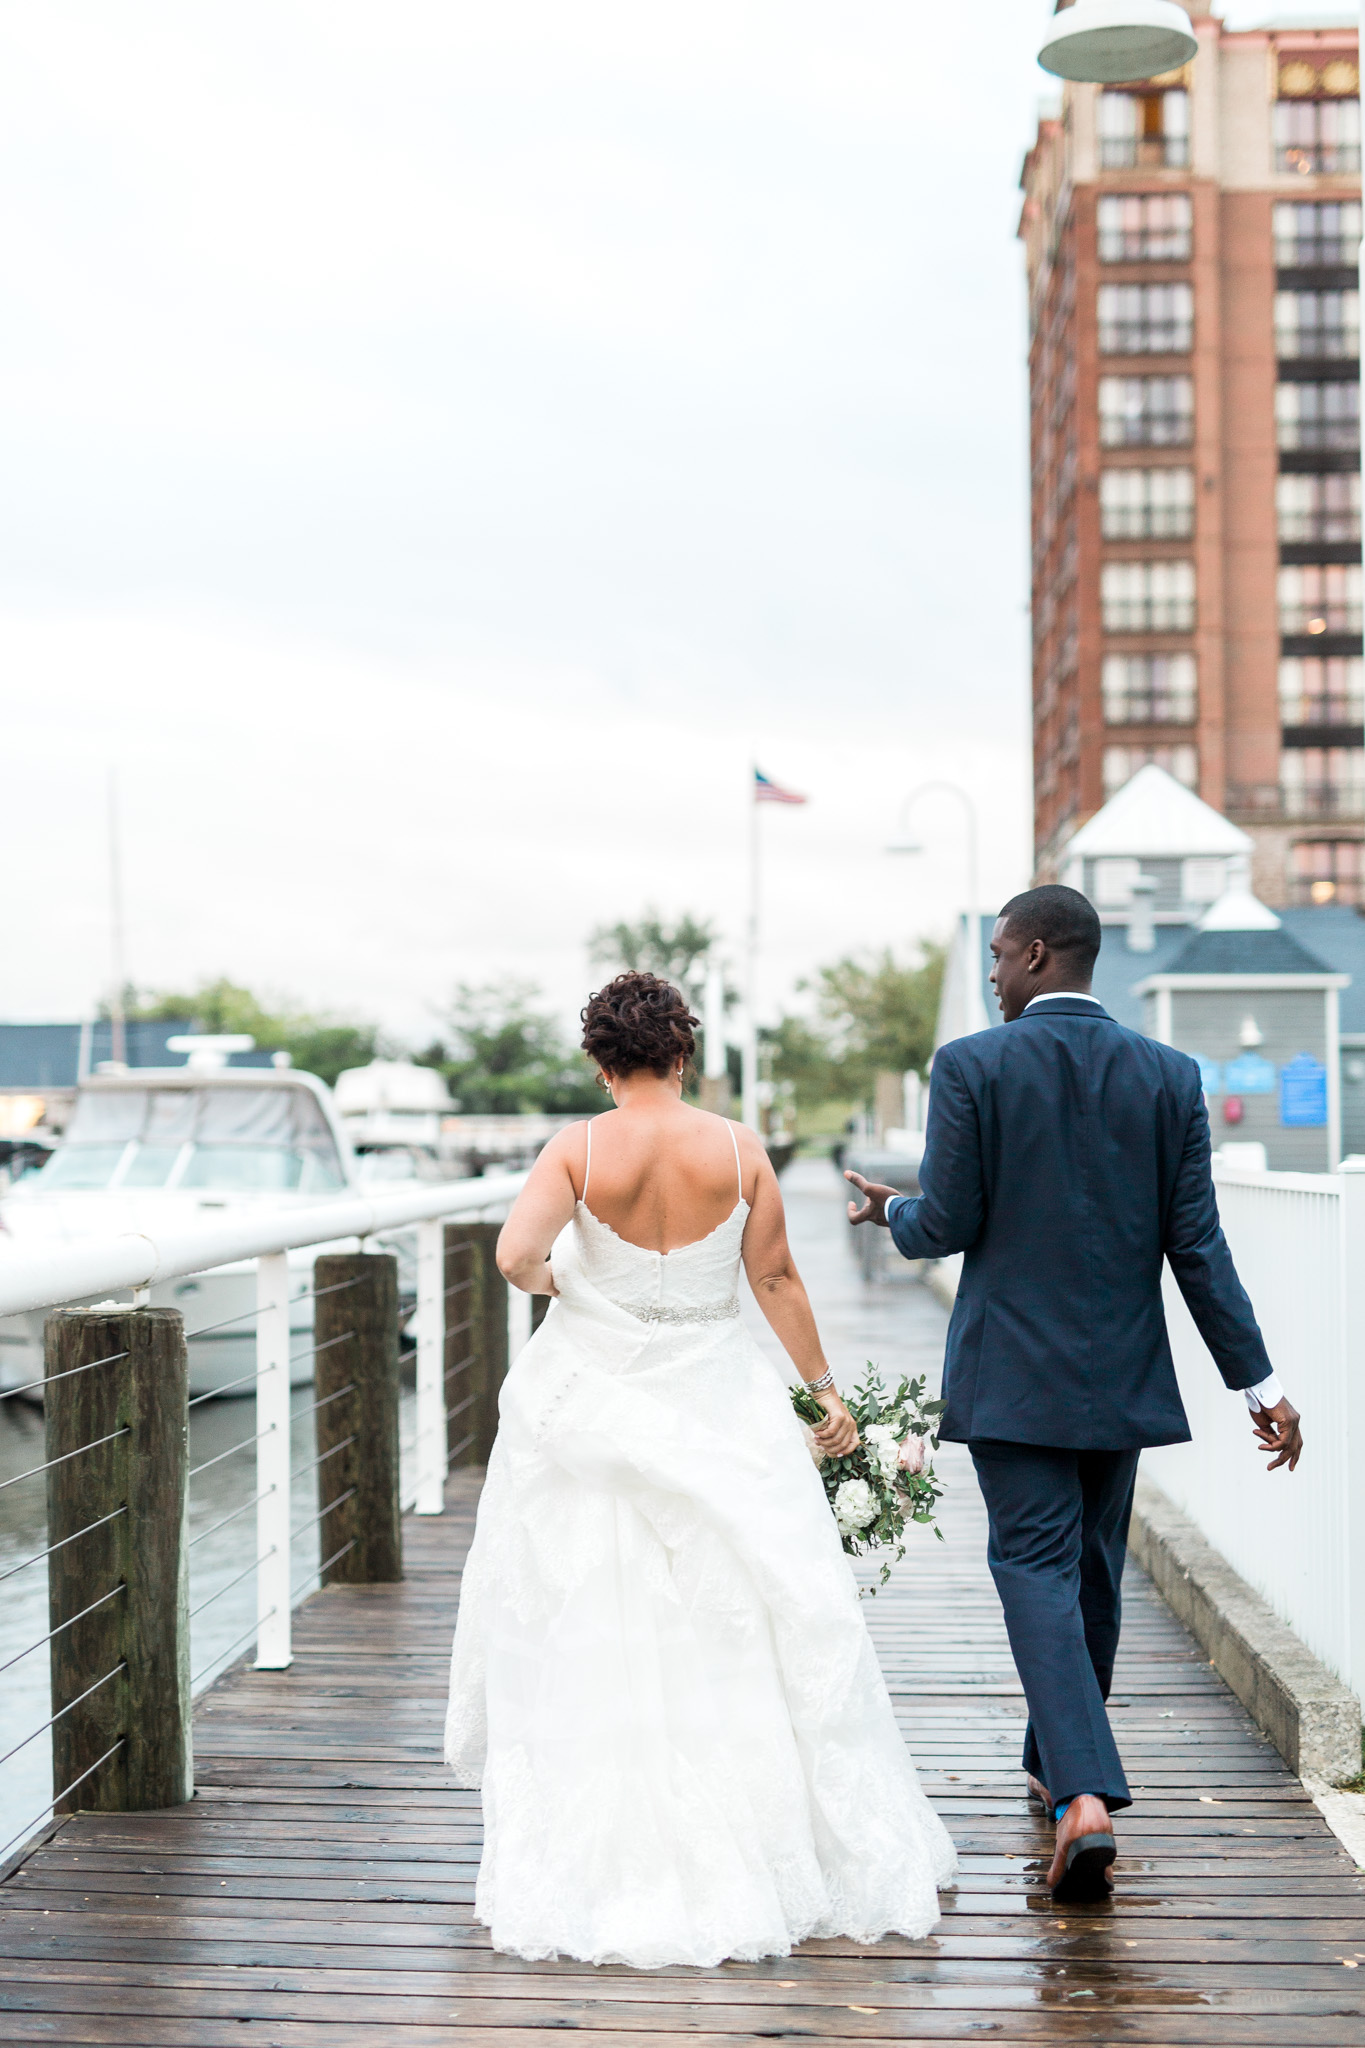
(976,1000)
(1113,42)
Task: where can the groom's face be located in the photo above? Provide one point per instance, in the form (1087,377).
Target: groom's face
(1015,975)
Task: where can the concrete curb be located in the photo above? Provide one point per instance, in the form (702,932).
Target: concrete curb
(1310,1716)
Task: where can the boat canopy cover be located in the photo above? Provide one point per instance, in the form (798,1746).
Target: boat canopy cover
(204,1116)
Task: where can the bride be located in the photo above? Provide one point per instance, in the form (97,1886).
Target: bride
(662,1678)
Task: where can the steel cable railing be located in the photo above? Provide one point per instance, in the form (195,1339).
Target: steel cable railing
(53,1719)
(70,1372)
(61,1544)
(70,1622)
(231,1451)
(220,1657)
(55,1801)
(427,1345)
(245,1507)
(65,1457)
(228,1585)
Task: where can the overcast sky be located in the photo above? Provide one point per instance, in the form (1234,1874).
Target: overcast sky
(443,443)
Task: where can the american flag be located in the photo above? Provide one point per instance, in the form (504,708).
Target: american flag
(766,791)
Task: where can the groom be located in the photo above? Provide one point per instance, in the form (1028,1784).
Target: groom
(1066,1156)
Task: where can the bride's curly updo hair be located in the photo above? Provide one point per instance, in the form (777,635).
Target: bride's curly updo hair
(638,1022)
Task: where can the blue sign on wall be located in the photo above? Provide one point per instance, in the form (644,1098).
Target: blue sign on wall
(1303,1091)
(1249,1074)
(1210,1074)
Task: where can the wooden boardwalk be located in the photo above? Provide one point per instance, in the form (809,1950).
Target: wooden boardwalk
(318,1891)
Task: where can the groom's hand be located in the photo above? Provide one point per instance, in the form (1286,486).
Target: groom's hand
(1278,1430)
(874,1206)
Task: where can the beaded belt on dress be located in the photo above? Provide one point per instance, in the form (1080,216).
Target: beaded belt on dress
(720,1313)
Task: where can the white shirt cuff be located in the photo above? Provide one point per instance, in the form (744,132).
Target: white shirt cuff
(892,1200)
(1267,1393)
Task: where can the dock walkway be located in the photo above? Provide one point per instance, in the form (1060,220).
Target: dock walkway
(318,1892)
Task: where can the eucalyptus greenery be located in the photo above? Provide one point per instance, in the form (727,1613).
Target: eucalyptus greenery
(897,1497)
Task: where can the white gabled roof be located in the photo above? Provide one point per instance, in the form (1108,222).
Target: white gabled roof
(1237,910)
(1157,816)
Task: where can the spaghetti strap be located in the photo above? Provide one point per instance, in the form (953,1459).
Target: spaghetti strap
(739,1170)
(587,1166)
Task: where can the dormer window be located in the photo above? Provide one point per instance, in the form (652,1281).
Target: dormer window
(1202,880)
(1115,882)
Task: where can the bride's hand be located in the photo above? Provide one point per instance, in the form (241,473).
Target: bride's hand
(838,1433)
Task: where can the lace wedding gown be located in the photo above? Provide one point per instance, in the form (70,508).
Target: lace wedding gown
(662,1678)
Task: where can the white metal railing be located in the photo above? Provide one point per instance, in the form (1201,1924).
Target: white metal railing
(1298,1240)
(83,1271)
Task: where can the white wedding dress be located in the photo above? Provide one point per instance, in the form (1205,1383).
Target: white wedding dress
(662,1678)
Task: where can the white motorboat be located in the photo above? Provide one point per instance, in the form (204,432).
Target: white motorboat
(147,1148)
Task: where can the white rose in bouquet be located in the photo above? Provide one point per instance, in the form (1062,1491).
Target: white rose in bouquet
(882,1448)
(855,1506)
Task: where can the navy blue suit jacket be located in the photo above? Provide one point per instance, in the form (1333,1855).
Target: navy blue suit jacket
(1065,1156)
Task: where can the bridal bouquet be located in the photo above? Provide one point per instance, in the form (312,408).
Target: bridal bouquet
(887,1481)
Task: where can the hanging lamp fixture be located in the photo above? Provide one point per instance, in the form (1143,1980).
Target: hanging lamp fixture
(1109,42)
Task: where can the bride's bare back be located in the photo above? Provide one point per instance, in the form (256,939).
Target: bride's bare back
(664,1175)
(660,1173)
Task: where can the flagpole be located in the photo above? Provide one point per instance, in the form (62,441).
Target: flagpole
(749,1050)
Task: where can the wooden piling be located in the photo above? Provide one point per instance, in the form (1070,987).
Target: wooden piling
(137,1398)
(476,1340)
(356,1380)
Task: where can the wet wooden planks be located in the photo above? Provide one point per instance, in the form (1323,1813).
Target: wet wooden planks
(318,1892)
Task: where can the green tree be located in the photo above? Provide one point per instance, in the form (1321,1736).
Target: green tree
(801,1055)
(503,1054)
(318,1043)
(880,1014)
(678,952)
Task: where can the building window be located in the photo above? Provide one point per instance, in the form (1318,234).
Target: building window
(1121,764)
(1322,782)
(1146,319)
(1203,879)
(1316,234)
(1147,504)
(1326,871)
(1148,689)
(1322,690)
(1147,597)
(1317,325)
(1116,881)
(1146,412)
(1144,129)
(1323,508)
(1317,415)
(1320,598)
(1145,227)
(1317,136)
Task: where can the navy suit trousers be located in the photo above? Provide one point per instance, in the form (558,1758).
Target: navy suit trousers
(1058,1537)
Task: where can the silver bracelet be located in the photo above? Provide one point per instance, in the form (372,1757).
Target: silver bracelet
(818,1386)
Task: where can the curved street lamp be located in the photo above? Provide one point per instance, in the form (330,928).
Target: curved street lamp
(1109,42)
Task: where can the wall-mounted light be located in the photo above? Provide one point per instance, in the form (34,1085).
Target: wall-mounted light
(1251,1033)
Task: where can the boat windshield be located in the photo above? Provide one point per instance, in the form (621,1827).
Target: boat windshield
(211,1140)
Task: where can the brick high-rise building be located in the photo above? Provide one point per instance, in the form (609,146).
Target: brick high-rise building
(1192,249)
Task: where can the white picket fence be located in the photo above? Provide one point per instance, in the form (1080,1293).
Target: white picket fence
(1299,1538)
